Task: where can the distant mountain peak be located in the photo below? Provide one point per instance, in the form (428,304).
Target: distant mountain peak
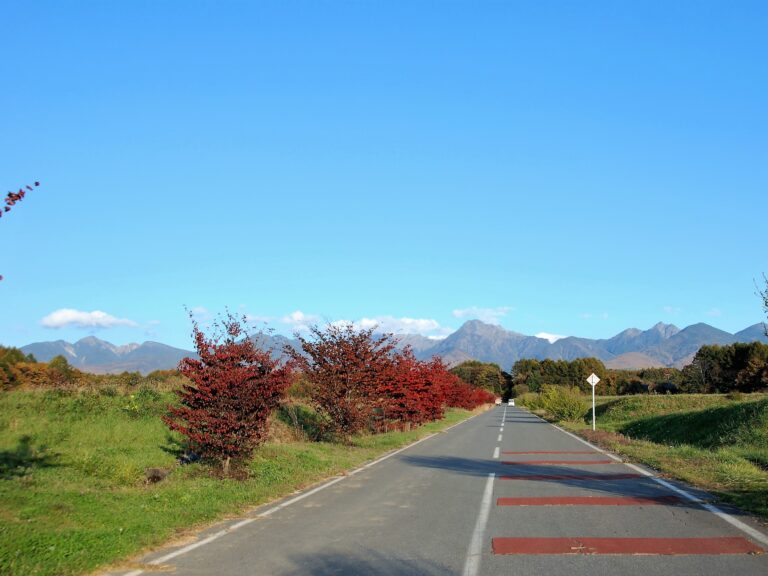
(666,330)
(483,328)
(92,340)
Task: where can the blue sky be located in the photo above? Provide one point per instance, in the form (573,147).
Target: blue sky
(572,168)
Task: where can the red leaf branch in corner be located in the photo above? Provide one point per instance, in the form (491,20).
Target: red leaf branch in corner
(12,198)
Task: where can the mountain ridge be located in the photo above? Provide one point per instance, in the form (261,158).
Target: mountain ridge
(663,345)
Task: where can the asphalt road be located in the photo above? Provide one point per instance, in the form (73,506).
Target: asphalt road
(503,493)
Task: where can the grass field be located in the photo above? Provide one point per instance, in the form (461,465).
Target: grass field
(710,441)
(73,493)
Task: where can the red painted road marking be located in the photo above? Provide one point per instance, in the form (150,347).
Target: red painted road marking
(628,546)
(589,501)
(572,477)
(550,462)
(556,452)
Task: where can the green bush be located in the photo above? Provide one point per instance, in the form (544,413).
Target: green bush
(563,403)
(530,400)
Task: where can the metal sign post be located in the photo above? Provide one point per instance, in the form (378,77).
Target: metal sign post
(593,380)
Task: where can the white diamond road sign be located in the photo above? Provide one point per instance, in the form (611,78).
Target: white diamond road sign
(593,379)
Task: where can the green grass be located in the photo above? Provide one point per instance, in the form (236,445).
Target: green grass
(711,442)
(73,495)
(616,410)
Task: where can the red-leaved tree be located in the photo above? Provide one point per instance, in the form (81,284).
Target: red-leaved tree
(14,197)
(412,394)
(459,394)
(234,388)
(346,367)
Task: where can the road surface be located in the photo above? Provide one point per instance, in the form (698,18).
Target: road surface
(502,493)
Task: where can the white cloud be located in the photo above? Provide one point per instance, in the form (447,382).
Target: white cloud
(714,312)
(551,337)
(423,326)
(672,310)
(488,315)
(300,321)
(69,317)
(342,323)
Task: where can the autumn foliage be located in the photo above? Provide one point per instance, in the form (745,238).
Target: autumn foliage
(413,393)
(346,367)
(361,381)
(12,198)
(234,387)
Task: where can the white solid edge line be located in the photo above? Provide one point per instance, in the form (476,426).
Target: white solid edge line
(282,505)
(757,535)
(735,522)
(472,564)
(597,448)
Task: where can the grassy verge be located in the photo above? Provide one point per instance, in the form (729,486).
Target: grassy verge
(73,494)
(713,443)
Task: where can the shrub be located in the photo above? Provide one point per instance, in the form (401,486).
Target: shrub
(530,400)
(233,389)
(563,403)
(346,367)
(411,393)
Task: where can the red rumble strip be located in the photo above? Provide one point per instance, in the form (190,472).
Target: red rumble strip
(625,546)
(550,462)
(589,501)
(555,452)
(572,477)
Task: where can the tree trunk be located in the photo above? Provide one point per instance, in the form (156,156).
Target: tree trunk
(225,466)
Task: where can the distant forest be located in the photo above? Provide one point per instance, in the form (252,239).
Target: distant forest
(715,369)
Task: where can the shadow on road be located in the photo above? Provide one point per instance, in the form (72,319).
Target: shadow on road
(519,421)
(603,482)
(366,561)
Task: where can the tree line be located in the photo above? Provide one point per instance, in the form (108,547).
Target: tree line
(735,368)
(355,380)
(741,367)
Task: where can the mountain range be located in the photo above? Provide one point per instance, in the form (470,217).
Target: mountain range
(660,345)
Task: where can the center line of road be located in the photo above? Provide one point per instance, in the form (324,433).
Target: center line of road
(496,452)
(472,564)
(499,438)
